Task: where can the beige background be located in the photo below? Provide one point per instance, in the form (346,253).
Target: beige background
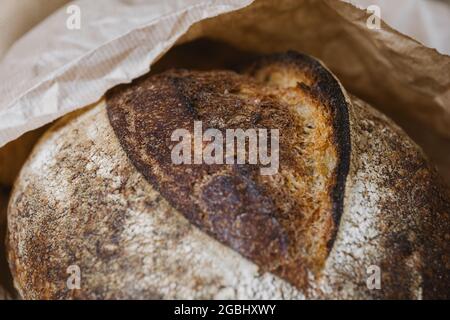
(18,16)
(417,18)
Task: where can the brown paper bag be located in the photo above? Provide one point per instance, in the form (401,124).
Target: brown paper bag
(396,74)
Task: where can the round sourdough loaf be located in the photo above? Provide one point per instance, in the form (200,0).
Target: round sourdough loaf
(353,212)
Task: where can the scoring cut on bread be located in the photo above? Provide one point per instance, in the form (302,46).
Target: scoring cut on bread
(352,192)
(285,223)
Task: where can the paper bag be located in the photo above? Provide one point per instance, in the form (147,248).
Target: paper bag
(54,70)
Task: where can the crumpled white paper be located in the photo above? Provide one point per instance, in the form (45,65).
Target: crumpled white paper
(53,70)
(45,76)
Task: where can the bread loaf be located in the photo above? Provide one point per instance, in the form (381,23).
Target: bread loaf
(12,158)
(354,210)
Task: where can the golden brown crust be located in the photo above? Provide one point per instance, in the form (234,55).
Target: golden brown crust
(326,91)
(283,223)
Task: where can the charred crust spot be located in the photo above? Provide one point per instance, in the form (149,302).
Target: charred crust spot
(243,214)
(177,83)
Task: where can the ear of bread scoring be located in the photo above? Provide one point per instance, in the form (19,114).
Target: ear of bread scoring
(285,223)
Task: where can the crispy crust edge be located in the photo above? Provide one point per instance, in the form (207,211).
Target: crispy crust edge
(328,90)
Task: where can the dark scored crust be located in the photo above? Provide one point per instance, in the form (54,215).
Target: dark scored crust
(285,223)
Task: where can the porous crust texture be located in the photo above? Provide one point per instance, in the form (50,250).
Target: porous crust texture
(84,199)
